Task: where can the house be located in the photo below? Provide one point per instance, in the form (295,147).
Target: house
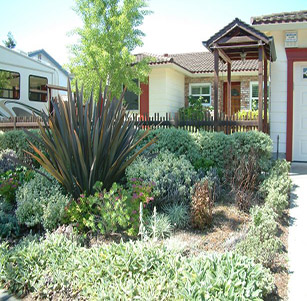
(288,103)
(175,77)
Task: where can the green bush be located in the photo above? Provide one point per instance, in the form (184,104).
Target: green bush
(260,143)
(58,268)
(109,211)
(41,202)
(176,141)
(276,187)
(17,141)
(158,226)
(6,163)
(11,180)
(261,242)
(178,213)
(8,225)
(173,176)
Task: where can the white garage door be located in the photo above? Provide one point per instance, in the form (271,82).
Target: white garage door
(300,112)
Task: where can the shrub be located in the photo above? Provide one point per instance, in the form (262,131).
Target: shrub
(172,175)
(176,141)
(109,211)
(243,174)
(276,187)
(41,202)
(5,162)
(202,205)
(58,268)
(158,225)
(17,140)
(88,142)
(8,225)
(261,242)
(178,213)
(11,180)
(258,142)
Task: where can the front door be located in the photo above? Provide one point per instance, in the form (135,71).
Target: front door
(235,97)
(300,112)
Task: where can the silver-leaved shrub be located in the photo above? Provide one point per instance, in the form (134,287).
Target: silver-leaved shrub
(41,202)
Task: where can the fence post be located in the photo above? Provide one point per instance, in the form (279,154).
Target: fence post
(176,119)
(15,120)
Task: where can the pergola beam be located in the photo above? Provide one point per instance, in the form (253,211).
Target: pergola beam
(224,56)
(265,99)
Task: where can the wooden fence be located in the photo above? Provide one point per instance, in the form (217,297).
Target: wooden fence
(226,124)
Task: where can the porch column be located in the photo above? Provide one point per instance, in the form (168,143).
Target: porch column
(216,87)
(228,89)
(265,95)
(260,87)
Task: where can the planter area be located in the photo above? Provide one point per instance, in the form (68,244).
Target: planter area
(196,216)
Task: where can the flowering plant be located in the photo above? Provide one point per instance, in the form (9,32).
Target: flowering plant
(11,180)
(110,211)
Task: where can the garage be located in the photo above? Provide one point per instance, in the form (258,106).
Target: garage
(300,112)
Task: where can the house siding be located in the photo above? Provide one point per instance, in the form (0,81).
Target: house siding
(166,92)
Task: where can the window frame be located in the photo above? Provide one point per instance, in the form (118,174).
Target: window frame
(43,101)
(191,85)
(251,98)
(18,83)
(250,93)
(139,97)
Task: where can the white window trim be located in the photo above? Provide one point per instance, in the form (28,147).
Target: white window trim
(250,93)
(139,104)
(201,85)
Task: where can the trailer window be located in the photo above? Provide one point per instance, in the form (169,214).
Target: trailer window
(9,84)
(37,88)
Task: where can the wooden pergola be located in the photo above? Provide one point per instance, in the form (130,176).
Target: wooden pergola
(240,41)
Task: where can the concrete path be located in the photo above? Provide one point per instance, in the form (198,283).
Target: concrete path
(4,296)
(298,234)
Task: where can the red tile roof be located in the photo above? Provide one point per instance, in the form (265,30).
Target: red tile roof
(289,17)
(197,62)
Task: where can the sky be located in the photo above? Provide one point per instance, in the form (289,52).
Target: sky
(175,26)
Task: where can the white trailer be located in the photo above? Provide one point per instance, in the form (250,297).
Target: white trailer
(23,84)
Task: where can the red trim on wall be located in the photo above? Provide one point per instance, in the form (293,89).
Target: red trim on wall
(144,99)
(293,55)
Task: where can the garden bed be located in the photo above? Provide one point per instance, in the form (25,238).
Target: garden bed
(188,203)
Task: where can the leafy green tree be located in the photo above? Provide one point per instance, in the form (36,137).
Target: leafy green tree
(10,42)
(109,34)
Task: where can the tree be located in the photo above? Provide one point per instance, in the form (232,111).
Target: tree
(10,42)
(109,34)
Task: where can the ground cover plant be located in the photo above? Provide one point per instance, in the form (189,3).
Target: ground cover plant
(56,266)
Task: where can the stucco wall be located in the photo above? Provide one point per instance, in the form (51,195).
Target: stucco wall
(166,91)
(245,88)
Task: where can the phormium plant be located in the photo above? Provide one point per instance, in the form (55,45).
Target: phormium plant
(86,143)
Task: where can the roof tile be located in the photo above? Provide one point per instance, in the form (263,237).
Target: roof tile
(198,62)
(287,17)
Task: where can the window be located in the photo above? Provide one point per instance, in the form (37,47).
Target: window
(9,84)
(132,99)
(201,90)
(37,88)
(254,95)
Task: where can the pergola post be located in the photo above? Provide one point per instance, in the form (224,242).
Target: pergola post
(216,87)
(228,89)
(260,87)
(265,95)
